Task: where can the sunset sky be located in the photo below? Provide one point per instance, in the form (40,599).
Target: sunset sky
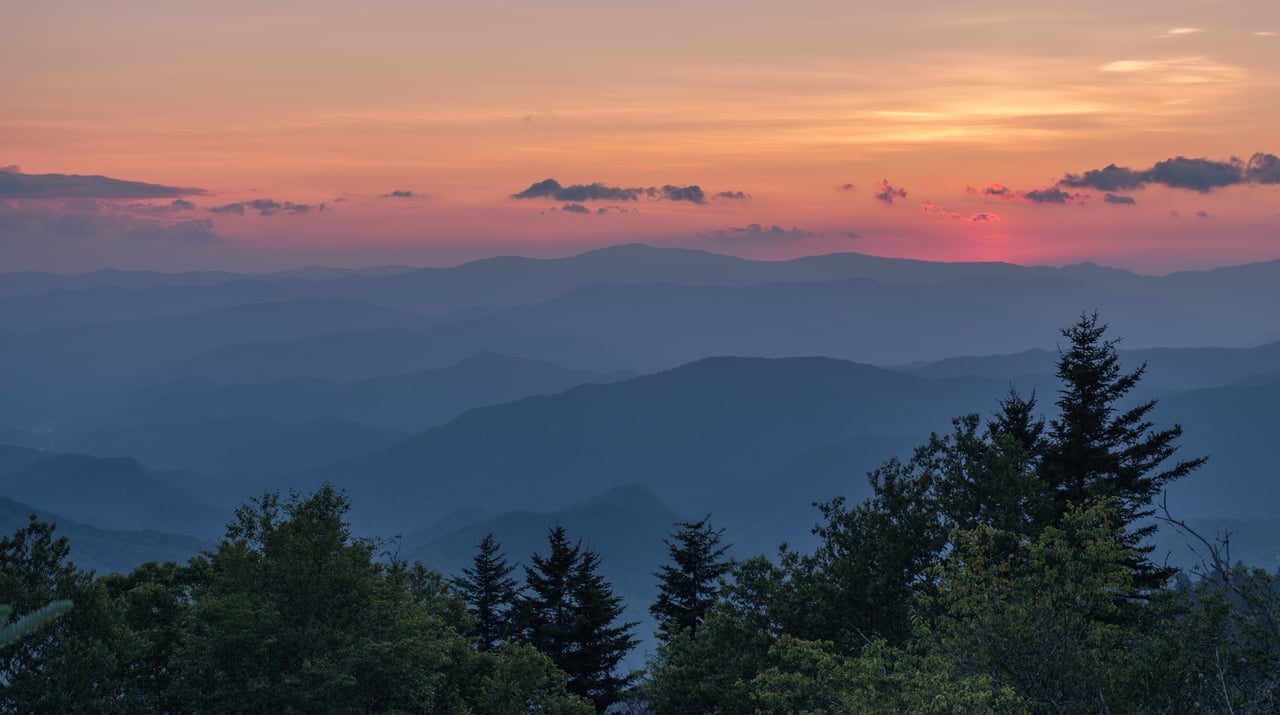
(269,134)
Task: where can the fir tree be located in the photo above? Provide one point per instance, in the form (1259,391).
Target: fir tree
(490,593)
(28,623)
(570,613)
(1099,450)
(688,585)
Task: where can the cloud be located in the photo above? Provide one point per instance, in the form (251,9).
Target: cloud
(1114,199)
(1181,31)
(575,209)
(400,194)
(1201,175)
(175,206)
(1108,178)
(1263,169)
(758,232)
(196,232)
(1202,214)
(583,193)
(80,223)
(984,217)
(11,169)
(999,190)
(14,185)
(551,189)
(267,207)
(847,187)
(938,211)
(618,209)
(693,194)
(889,193)
(1051,195)
(851,234)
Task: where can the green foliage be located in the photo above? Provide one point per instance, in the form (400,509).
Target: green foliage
(809,678)
(31,621)
(289,613)
(81,660)
(1046,618)
(570,613)
(688,585)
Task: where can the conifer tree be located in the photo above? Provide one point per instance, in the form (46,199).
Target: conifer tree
(1099,449)
(688,585)
(31,621)
(570,613)
(490,593)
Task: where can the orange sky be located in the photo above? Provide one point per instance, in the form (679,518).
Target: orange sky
(464,104)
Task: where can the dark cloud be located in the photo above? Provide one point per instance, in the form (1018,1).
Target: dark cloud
(693,194)
(618,209)
(79,223)
(847,187)
(66,186)
(551,189)
(1108,178)
(175,206)
(758,232)
(1202,175)
(266,207)
(1202,214)
(196,232)
(583,193)
(575,209)
(1263,169)
(400,194)
(1051,195)
(852,234)
(889,193)
(1114,199)
(11,169)
(984,217)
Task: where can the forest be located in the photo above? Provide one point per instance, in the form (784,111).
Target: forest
(1004,566)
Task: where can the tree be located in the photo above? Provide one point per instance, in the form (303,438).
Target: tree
(1099,449)
(490,593)
(1047,618)
(294,614)
(80,661)
(570,613)
(688,585)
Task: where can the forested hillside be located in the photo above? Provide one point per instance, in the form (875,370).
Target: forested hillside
(1007,565)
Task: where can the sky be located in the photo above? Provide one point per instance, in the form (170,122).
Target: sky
(266,135)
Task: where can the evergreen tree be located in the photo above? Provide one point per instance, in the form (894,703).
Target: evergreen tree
(570,613)
(688,585)
(31,621)
(490,593)
(1099,449)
